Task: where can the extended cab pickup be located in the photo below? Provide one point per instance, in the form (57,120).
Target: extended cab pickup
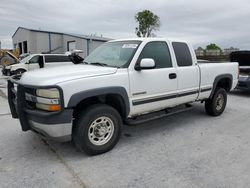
(120,82)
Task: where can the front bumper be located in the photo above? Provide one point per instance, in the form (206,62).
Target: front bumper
(56,126)
(59,132)
(244,83)
(6,72)
(50,125)
(243,86)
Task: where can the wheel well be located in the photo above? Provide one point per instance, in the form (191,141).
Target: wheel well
(21,69)
(225,83)
(114,100)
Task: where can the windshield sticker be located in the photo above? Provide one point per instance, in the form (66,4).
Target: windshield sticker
(129,45)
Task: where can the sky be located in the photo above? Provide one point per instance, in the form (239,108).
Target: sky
(224,22)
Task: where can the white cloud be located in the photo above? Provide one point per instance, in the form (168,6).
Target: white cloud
(224,22)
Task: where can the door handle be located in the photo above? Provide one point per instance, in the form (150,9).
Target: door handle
(172,76)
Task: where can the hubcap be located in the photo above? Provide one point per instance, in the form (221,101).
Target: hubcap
(101,131)
(219,102)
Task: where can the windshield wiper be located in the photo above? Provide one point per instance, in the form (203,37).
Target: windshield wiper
(98,63)
(85,62)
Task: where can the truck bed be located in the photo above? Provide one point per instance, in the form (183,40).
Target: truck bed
(209,72)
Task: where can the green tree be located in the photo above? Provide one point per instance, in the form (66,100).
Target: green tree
(148,22)
(213,47)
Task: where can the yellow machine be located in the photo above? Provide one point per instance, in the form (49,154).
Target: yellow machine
(9,58)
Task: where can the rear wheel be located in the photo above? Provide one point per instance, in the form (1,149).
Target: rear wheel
(97,129)
(216,105)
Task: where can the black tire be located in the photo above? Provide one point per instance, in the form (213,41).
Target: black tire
(216,105)
(87,130)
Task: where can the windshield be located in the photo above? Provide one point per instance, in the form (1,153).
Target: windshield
(113,54)
(26,59)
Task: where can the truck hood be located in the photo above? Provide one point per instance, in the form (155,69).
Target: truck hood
(52,76)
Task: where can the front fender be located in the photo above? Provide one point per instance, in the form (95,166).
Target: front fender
(80,96)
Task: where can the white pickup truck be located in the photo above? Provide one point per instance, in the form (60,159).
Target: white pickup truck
(122,81)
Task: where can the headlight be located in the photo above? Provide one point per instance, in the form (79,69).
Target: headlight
(48,99)
(48,93)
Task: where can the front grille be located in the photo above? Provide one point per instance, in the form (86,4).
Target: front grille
(30,105)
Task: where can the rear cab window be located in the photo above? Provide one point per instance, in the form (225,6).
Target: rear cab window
(56,58)
(182,54)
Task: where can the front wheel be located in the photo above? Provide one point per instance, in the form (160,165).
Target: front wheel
(97,129)
(216,105)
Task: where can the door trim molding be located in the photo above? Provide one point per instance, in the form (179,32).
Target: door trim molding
(169,96)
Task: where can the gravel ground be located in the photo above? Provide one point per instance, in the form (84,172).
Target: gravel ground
(189,149)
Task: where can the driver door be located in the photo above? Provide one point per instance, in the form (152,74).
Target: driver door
(153,89)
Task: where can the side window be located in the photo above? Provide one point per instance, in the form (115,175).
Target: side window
(182,54)
(56,58)
(34,59)
(65,59)
(159,52)
(51,58)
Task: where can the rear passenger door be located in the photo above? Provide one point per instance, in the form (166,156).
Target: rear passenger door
(187,73)
(153,89)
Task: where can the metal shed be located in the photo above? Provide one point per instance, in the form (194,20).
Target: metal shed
(40,41)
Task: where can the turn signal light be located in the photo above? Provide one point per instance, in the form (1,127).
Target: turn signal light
(48,107)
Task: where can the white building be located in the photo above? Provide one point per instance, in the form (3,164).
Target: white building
(39,41)
(228,51)
(200,51)
(215,52)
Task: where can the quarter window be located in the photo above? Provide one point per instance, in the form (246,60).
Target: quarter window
(159,52)
(182,54)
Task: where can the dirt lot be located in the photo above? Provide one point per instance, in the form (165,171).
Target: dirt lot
(189,149)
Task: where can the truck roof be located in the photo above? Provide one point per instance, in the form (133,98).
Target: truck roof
(51,54)
(149,39)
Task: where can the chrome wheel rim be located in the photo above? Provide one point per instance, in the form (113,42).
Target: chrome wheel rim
(219,102)
(101,130)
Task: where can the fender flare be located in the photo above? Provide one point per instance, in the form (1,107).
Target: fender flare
(76,98)
(217,79)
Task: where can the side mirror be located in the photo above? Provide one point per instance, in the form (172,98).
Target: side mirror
(145,63)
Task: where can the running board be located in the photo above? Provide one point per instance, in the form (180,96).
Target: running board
(156,115)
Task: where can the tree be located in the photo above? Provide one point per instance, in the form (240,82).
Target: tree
(148,22)
(213,47)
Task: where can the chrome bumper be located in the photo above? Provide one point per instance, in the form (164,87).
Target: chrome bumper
(59,132)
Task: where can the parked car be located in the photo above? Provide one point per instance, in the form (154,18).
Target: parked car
(122,81)
(243,58)
(36,61)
